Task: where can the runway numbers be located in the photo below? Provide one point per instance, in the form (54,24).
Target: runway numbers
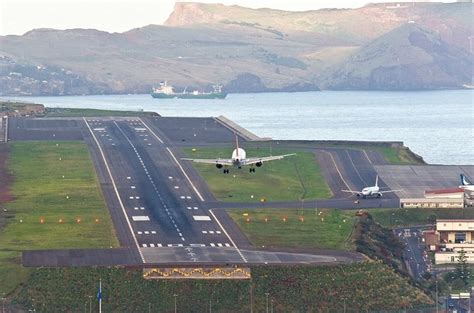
(201,218)
(140,218)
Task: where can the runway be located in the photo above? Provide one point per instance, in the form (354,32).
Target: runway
(163,211)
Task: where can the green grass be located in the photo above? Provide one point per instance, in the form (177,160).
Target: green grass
(397,156)
(362,286)
(71,112)
(408,217)
(326,229)
(291,179)
(41,192)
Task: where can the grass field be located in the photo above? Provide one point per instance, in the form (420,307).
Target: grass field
(362,286)
(407,217)
(324,229)
(397,156)
(71,112)
(291,179)
(42,197)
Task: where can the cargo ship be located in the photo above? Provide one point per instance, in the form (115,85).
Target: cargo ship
(165,91)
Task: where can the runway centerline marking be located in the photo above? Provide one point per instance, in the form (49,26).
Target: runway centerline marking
(115,189)
(176,160)
(152,181)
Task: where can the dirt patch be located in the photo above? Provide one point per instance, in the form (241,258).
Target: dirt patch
(5,176)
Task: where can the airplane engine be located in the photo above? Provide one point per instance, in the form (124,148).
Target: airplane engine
(258,164)
(379,195)
(219,165)
(358,195)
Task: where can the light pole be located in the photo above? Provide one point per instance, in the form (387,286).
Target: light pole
(90,304)
(175,304)
(266,295)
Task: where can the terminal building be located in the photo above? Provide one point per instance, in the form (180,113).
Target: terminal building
(439,199)
(451,236)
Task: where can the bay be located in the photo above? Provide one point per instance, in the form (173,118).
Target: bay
(438,125)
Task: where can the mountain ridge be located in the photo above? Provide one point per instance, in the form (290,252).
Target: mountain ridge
(258,45)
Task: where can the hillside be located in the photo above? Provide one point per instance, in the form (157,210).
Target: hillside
(407,58)
(246,50)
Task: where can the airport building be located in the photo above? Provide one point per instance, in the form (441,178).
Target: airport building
(438,199)
(449,238)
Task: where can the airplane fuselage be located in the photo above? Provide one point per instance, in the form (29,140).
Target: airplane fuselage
(238,155)
(370,191)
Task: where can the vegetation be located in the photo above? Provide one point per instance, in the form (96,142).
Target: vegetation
(291,179)
(398,156)
(70,112)
(358,287)
(300,229)
(379,243)
(57,204)
(408,217)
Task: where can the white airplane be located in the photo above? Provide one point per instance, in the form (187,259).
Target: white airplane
(239,159)
(466,183)
(372,191)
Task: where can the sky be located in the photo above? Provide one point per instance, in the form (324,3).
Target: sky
(20,16)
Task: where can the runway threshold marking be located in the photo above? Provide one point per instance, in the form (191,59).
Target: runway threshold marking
(116,190)
(228,236)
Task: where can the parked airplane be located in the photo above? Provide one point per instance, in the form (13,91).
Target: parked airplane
(372,191)
(466,183)
(239,159)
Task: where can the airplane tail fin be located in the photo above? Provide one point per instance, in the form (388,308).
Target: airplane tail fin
(237,144)
(377,181)
(464,180)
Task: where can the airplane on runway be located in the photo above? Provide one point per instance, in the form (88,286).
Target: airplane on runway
(466,183)
(239,159)
(372,191)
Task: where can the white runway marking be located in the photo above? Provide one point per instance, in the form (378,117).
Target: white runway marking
(230,239)
(139,232)
(135,208)
(197,245)
(201,218)
(176,187)
(142,208)
(183,197)
(195,208)
(204,231)
(152,245)
(212,245)
(116,190)
(133,187)
(146,232)
(140,218)
(188,197)
(128,177)
(144,245)
(189,208)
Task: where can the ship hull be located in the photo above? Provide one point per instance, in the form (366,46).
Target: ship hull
(158,95)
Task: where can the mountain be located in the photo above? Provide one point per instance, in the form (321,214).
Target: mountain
(249,50)
(406,58)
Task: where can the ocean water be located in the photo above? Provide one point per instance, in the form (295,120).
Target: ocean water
(439,125)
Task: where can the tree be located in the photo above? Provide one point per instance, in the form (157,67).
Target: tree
(462,270)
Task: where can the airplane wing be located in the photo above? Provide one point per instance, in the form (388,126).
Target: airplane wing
(210,161)
(385,191)
(250,161)
(351,191)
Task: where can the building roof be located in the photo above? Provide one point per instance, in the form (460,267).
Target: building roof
(443,191)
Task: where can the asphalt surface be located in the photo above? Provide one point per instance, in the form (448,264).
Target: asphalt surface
(415,250)
(413,180)
(162,210)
